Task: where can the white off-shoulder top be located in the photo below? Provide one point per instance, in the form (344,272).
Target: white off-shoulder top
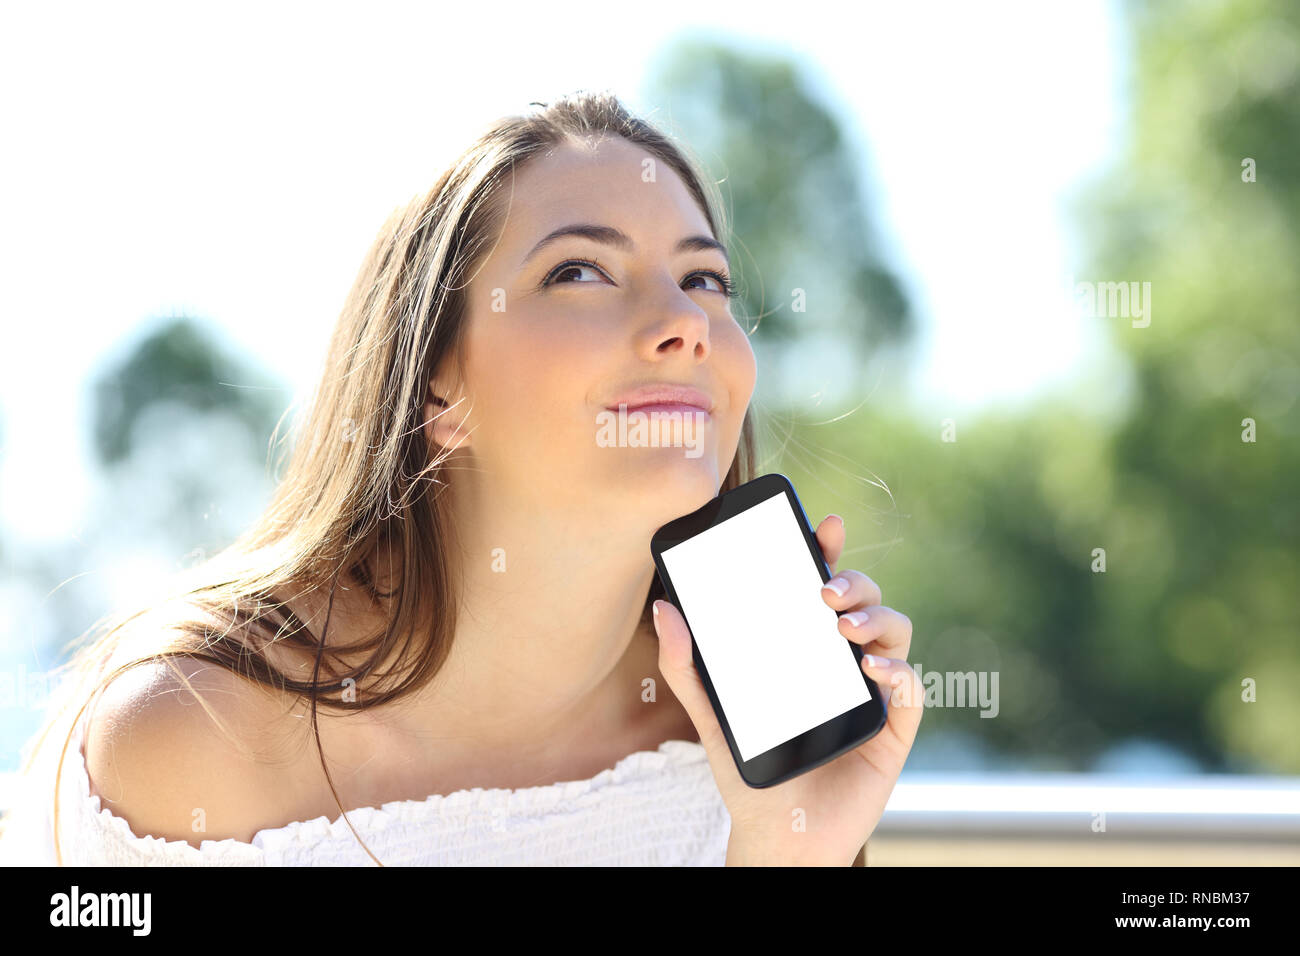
(652,808)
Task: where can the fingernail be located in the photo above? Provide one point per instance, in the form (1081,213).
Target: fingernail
(838,585)
(857,618)
(875,661)
(654,608)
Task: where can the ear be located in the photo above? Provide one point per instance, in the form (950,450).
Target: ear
(444,422)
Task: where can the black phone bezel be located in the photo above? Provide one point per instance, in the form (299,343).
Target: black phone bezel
(813,747)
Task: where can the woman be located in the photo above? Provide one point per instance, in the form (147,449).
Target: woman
(451,589)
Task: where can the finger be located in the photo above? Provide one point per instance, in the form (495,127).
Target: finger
(830,538)
(905,696)
(677,665)
(884,631)
(851,589)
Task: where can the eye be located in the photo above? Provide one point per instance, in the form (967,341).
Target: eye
(577,265)
(721,278)
(570,266)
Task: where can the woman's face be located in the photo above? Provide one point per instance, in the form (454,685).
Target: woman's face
(544,363)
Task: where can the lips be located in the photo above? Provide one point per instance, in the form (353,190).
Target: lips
(664,394)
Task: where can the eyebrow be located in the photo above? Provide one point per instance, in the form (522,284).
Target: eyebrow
(610,236)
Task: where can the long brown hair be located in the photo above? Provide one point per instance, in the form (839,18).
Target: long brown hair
(360,471)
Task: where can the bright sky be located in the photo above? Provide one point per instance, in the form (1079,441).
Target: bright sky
(234,161)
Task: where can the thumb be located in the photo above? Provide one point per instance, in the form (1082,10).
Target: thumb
(678,667)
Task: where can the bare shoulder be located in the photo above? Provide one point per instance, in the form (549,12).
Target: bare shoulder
(187,750)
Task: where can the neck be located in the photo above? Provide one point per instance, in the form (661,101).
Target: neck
(550,654)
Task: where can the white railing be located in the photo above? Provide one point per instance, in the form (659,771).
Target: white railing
(1072,804)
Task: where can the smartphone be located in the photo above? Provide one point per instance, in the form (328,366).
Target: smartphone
(788,688)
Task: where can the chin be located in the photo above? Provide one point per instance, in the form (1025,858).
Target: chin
(682,483)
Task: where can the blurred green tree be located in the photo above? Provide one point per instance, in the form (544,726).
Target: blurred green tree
(808,259)
(1203,609)
(179,362)
(991,532)
(182,425)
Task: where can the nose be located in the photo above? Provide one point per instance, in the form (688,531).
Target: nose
(681,327)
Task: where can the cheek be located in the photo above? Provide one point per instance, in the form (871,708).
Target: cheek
(552,364)
(736,363)
(737,370)
(532,382)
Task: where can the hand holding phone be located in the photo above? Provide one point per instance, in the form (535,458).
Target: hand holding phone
(805,763)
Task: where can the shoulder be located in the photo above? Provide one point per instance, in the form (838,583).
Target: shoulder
(184,749)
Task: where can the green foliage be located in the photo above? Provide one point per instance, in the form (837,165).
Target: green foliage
(988,544)
(1216,85)
(182,364)
(792,184)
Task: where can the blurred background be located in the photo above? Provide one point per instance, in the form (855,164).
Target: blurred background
(1023,281)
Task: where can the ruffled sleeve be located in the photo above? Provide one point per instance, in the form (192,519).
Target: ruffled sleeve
(657,808)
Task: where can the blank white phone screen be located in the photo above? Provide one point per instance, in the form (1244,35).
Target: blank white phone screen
(752,595)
